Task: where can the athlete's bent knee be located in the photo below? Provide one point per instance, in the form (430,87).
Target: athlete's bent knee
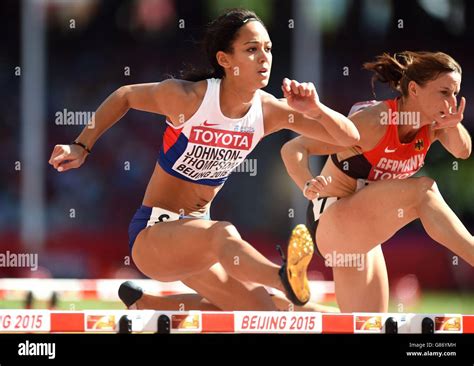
(221,232)
(425,185)
(224,229)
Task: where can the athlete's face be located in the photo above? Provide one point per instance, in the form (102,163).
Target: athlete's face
(433,95)
(251,58)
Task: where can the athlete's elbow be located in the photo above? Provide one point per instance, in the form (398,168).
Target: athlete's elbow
(122,94)
(285,149)
(352,138)
(285,153)
(288,154)
(464,154)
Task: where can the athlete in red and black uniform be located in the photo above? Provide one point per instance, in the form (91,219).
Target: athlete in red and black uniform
(365,194)
(390,158)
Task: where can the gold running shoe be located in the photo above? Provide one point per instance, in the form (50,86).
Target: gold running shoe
(293,271)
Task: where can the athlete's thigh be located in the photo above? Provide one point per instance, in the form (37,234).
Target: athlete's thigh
(171,251)
(228,293)
(357,223)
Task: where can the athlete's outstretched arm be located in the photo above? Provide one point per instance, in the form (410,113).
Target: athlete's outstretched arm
(302,112)
(160,98)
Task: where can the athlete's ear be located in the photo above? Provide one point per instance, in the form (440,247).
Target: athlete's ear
(223,59)
(413,88)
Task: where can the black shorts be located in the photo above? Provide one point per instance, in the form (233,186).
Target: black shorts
(312,216)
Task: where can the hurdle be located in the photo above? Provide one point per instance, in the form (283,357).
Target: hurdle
(176,322)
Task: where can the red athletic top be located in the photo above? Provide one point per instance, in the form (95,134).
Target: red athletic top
(389,159)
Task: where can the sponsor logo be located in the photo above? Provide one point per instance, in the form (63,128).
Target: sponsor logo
(100,322)
(244,129)
(387,150)
(221,138)
(185,321)
(397,169)
(448,323)
(368,322)
(210,124)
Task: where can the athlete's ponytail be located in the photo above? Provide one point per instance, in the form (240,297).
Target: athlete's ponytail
(401,68)
(220,35)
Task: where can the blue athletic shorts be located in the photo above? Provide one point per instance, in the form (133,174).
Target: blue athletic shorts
(141,218)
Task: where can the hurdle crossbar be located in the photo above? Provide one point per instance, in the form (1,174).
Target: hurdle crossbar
(152,321)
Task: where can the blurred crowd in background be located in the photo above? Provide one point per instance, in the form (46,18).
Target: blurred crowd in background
(114,43)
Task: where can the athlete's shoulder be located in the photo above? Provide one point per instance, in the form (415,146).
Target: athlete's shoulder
(273,105)
(181,97)
(367,118)
(360,106)
(368,113)
(196,89)
(275,111)
(367,109)
(185,88)
(267,99)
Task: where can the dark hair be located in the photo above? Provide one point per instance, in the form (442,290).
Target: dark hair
(219,36)
(398,70)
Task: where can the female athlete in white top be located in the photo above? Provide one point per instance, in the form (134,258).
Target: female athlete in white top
(214,121)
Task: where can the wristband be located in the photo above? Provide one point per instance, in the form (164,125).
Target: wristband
(81,145)
(306,186)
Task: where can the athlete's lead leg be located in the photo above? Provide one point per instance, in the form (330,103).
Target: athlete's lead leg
(358,223)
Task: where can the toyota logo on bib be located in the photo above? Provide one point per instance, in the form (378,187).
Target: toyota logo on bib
(219,138)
